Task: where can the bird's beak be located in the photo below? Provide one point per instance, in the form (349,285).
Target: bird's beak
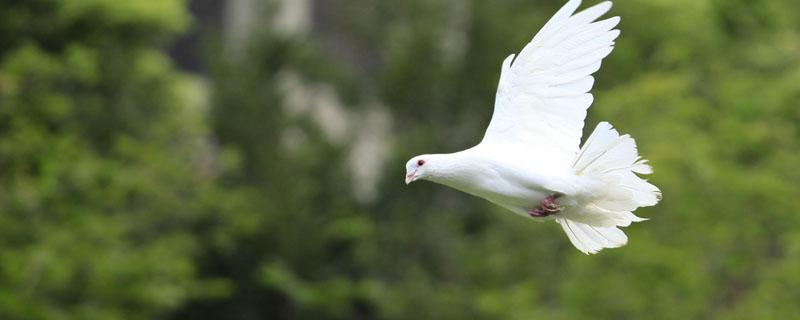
(411,177)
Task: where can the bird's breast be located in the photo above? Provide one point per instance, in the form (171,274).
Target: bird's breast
(516,190)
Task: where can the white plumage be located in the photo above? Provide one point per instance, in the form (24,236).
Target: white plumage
(531,149)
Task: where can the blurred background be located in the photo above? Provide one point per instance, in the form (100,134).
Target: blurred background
(244,159)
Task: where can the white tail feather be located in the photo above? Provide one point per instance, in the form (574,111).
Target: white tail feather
(591,239)
(612,162)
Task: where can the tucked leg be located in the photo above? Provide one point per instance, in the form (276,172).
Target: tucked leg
(547,208)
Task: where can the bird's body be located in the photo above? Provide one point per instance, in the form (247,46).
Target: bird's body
(510,182)
(529,160)
(502,181)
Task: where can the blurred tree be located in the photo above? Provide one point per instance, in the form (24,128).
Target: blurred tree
(107,175)
(123,196)
(706,86)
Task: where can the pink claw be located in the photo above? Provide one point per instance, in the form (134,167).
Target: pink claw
(548,207)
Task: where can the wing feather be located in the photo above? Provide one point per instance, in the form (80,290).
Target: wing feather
(543,92)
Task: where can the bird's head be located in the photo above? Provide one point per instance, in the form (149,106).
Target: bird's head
(418,168)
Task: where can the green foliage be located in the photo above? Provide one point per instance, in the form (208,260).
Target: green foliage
(104,183)
(125,193)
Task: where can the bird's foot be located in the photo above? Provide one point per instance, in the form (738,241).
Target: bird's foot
(547,208)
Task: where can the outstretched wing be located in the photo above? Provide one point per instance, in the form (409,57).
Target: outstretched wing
(543,94)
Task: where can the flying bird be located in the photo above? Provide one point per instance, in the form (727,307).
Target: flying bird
(530,160)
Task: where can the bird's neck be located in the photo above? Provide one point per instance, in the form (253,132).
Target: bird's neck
(456,170)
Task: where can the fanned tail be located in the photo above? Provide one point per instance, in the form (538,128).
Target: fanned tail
(612,161)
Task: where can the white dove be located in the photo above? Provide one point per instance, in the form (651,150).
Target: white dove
(529,160)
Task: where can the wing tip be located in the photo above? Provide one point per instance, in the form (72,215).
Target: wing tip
(568,9)
(603,7)
(613,21)
(596,11)
(573,3)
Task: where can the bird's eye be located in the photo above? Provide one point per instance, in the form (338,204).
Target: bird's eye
(420,162)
